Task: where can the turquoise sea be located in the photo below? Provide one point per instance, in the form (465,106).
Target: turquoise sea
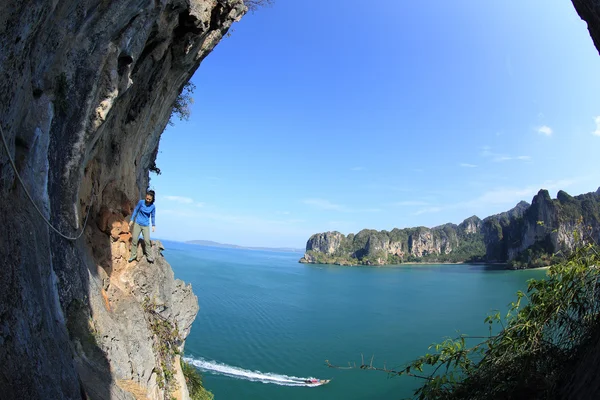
(267,322)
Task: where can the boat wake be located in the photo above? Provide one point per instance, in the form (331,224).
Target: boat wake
(218,368)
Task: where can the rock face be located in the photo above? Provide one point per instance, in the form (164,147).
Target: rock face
(547,227)
(87,88)
(496,227)
(327,242)
(522,236)
(442,243)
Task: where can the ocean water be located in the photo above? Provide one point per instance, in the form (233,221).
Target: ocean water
(267,323)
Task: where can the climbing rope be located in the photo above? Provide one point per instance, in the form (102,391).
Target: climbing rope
(31,199)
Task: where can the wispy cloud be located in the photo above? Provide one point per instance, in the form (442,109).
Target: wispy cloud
(339,224)
(428,210)
(545,130)
(230,218)
(467,165)
(501,196)
(509,158)
(327,205)
(512,195)
(486,151)
(597,131)
(387,187)
(409,203)
(180,199)
(323,204)
(184,200)
(357,169)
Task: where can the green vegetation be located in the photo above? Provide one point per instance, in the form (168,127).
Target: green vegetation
(371,247)
(253,5)
(538,255)
(537,344)
(471,248)
(181,106)
(527,236)
(167,343)
(193,379)
(322,258)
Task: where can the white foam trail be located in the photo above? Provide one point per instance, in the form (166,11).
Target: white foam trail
(218,368)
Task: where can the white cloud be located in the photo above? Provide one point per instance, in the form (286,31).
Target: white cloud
(323,204)
(200,204)
(545,130)
(357,169)
(410,203)
(512,195)
(597,131)
(387,187)
(428,210)
(486,151)
(466,165)
(338,224)
(237,219)
(502,196)
(180,199)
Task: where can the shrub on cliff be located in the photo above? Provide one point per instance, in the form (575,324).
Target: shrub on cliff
(255,4)
(193,379)
(183,102)
(535,347)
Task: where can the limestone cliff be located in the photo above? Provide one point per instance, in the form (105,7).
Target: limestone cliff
(547,227)
(496,232)
(86,89)
(448,242)
(525,236)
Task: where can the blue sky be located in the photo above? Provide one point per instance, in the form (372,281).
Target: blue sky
(330,115)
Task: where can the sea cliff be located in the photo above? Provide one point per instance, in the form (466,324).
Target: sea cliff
(528,235)
(87,89)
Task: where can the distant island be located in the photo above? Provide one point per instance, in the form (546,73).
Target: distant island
(210,243)
(527,236)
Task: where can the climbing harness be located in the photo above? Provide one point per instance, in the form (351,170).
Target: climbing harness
(31,199)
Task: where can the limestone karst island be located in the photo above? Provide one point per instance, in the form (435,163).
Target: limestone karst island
(163,163)
(526,236)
